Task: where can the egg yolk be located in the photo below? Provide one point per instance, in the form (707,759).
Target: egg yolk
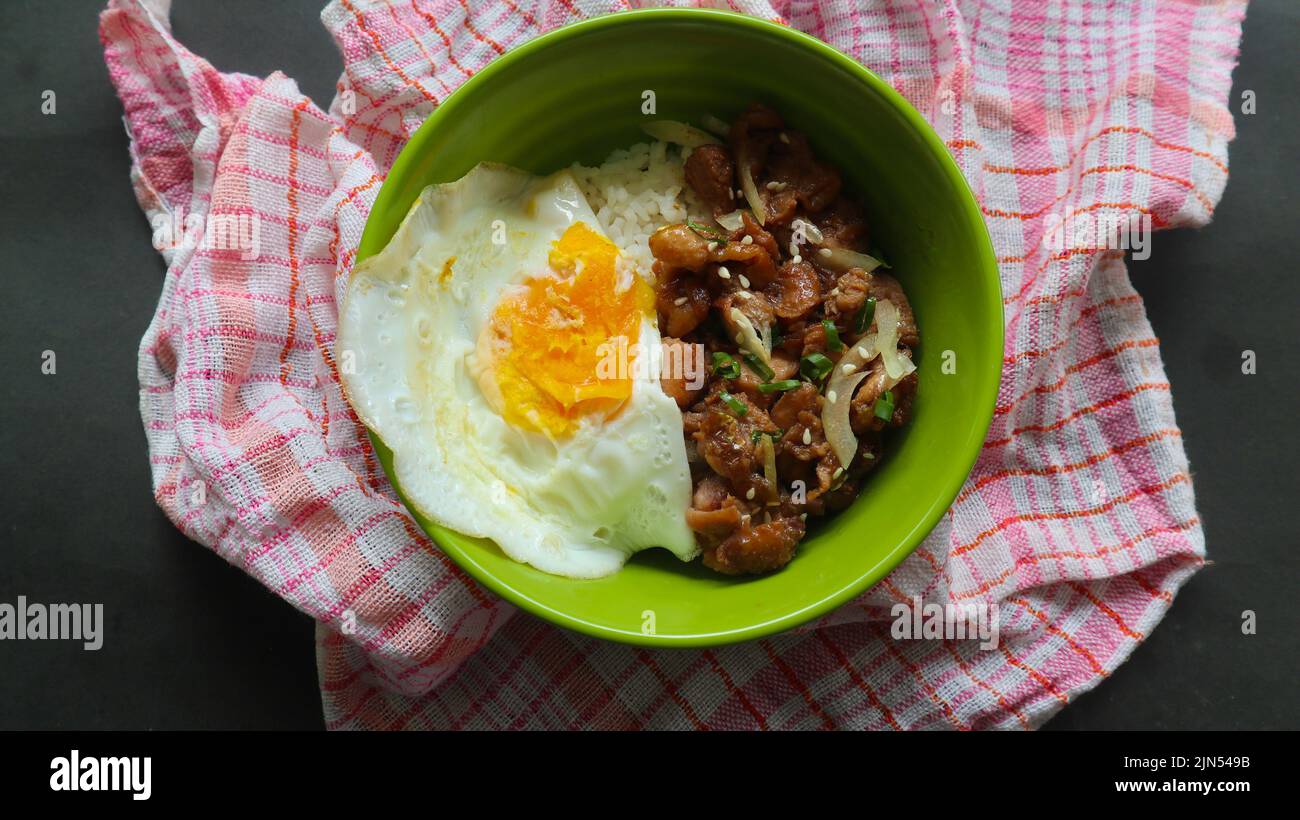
(555,341)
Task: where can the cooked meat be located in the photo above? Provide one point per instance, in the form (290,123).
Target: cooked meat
(815,341)
(759,235)
(680,247)
(846,298)
(804,440)
(744,522)
(711,173)
(756,548)
(681,369)
(862,413)
(750,381)
(752,260)
(779,207)
(710,494)
(798,290)
(794,169)
(842,225)
(754,307)
(757,117)
(715,524)
(725,446)
(682,301)
(785,413)
(884,286)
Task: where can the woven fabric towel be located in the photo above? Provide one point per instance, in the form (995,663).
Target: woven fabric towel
(1078,519)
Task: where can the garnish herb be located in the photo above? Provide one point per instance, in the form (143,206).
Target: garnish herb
(865,316)
(725,366)
(758,366)
(778,387)
(705,231)
(737,406)
(815,366)
(833,342)
(885,406)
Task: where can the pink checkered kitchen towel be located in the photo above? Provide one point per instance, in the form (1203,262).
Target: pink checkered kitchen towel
(1078,519)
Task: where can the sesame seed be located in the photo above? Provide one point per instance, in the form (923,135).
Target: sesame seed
(744,294)
(797,258)
(731,194)
(739,193)
(862,351)
(679,301)
(824,252)
(803,516)
(747,240)
(831,397)
(713,246)
(750,494)
(785,138)
(807,436)
(723,273)
(744,283)
(848,369)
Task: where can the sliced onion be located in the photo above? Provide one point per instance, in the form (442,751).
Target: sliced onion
(859,354)
(715,125)
(768,452)
(732,221)
(679,133)
(841,259)
(750,340)
(835,420)
(897,366)
(748,188)
(835,417)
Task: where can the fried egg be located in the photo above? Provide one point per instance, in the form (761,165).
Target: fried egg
(482,345)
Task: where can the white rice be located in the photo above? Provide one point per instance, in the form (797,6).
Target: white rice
(635,192)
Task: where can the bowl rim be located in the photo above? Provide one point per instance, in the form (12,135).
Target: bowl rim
(986,266)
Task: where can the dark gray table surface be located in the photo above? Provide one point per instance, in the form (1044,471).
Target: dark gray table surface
(193,643)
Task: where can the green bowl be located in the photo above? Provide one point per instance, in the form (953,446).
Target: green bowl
(576,94)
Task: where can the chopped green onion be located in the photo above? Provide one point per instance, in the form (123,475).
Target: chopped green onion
(885,406)
(772,434)
(777,336)
(778,387)
(712,234)
(758,366)
(865,316)
(815,366)
(725,366)
(833,342)
(737,406)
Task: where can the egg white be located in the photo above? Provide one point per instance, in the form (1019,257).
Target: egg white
(576,506)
